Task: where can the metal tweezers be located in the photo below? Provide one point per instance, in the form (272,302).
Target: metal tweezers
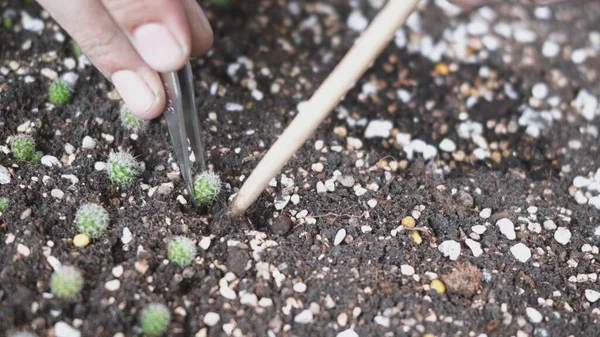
(184,124)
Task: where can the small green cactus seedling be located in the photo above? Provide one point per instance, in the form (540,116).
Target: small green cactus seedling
(59,92)
(4,203)
(155,319)
(92,220)
(7,22)
(66,282)
(131,122)
(121,168)
(181,251)
(206,187)
(23,148)
(8,18)
(76,49)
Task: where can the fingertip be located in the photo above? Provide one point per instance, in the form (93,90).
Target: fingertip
(142,92)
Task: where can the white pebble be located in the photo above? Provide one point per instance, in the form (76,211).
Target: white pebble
(300,287)
(550,49)
(127,236)
(62,329)
(4,175)
(211,318)
(304,317)
(507,228)
(549,225)
(474,246)
(50,161)
(348,333)
(562,235)
(592,295)
(534,315)
(539,91)
(447,145)
(378,128)
(581,182)
(23,250)
(479,229)
(485,213)
(521,252)
(339,237)
(58,194)
(578,56)
(118,271)
(357,21)
(204,242)
(450,249)
(228,293)
(407,270)
(404,95)
(88,143)
(112,285)
(524,35)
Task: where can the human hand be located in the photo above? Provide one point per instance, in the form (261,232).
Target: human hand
(130,41)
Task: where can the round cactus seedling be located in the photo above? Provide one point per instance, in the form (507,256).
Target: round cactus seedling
(92,220)
(121,168)
(155,319)
(181,251)
(4,204)
(76,49)
(131,122)
(66,282)
(206,187)
(23,148)
(59,92)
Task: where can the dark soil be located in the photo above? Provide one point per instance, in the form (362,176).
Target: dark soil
(357,284)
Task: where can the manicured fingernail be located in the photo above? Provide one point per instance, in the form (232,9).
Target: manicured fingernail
(159,47)
(135,91)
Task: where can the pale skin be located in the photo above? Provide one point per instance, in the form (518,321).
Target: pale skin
(131,41)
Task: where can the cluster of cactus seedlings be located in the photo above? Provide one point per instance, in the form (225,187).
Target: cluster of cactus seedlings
(155,319)
(59,92)
(181,251)
(121,168)
(92,220)
(4,204)
(206,187)
(23,148)
(66,282)
(130,121)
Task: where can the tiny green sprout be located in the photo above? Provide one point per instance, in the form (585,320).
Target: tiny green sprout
(206,187)
(181,251)
(92,220)
(121,168)
(23,148)
(66,282)
(76,49)
(8,18)
(4,203)
(155,319)
(131,122)
(59,92)
(220,3)
(7,22)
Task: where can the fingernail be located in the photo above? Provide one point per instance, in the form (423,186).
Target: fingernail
(135,92)
(158,47)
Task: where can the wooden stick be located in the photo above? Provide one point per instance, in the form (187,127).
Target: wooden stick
(345,75)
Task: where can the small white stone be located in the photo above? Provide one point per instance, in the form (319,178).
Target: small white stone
(354,142)
(475,247)
(304,317)
(228,293)
(100,166)
(357,21)
(372,203)
(23,250)
(127,236)
(300,287)
(4,175)
(450,249)
(317,167)
(578,56)
(479,229)
(447,145)
(485,213)
(581,182)
(378,128)
(88,143)
(50,161)
(339,237)
(234,107)
(58,194)
(507,228)
(112,285)
(525,36)
(562,235)
(117,271)
(549,225)
(62,329)
(539,91)
(521,252)
(592,295)
(31,24)
(321,187)
(404,95)
(165,188)
(407,270)
(534,315)
(348,333)
(382,320)
(204,243)
(281,201)
(211,318)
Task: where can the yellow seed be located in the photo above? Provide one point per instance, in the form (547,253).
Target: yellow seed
(442,69)
(416,237)
(81,240)
(438,286)
(428,335)
(409,221)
